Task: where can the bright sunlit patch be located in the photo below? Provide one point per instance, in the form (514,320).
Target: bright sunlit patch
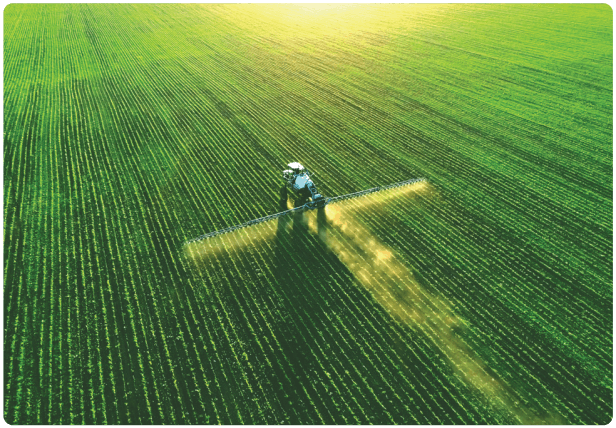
(321,9)
(313,21)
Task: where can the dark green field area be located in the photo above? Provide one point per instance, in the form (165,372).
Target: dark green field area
(483,295)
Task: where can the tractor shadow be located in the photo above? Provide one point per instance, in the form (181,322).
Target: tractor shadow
(333,320)
(324,333)
(282,296)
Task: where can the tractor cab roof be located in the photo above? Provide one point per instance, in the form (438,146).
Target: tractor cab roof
(296,166)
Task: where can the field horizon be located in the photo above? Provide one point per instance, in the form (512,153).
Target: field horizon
(483,295)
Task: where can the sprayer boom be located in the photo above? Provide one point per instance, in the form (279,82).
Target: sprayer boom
(318,202)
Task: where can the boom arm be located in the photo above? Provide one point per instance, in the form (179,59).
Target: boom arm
(318,201)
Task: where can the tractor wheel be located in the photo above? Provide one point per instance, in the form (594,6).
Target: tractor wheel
(282,202)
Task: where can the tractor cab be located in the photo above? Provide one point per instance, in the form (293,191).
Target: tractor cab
(299,182)
(295,171)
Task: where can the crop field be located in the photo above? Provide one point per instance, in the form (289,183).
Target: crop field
(481,295)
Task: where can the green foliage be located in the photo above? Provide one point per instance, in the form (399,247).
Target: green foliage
(129,129)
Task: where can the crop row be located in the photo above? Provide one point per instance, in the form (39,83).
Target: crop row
(118,149)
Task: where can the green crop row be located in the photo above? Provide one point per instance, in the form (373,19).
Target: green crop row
(483,298)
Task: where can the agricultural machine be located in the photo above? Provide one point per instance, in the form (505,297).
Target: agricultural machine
(297,179)
(307,197)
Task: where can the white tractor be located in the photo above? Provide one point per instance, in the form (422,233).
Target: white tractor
(298,180)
